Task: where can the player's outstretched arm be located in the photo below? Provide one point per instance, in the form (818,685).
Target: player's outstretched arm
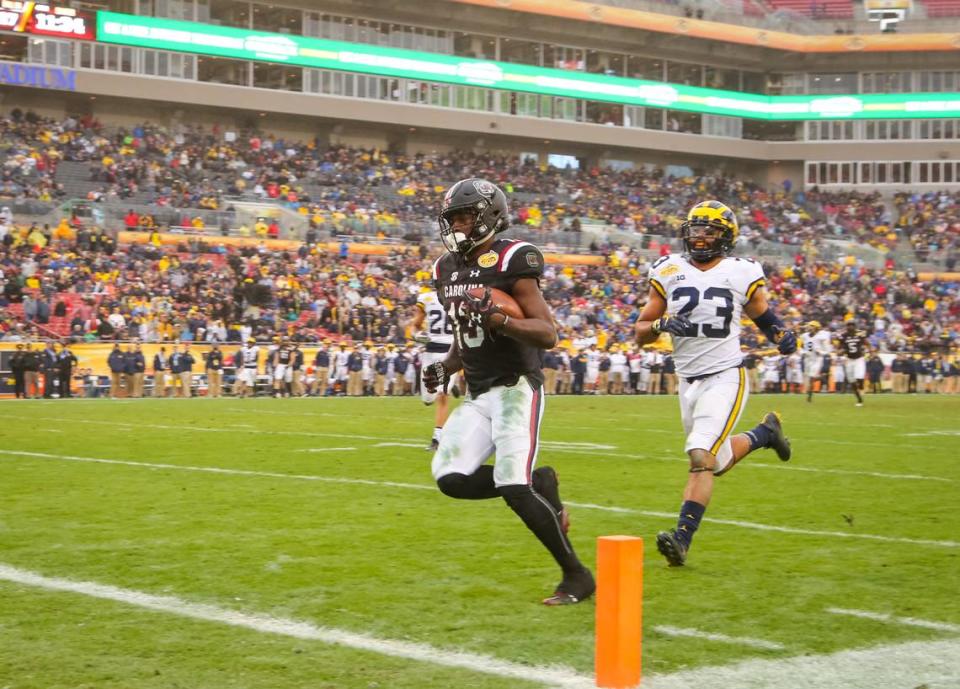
(654,309)
(769,323)
(537,329)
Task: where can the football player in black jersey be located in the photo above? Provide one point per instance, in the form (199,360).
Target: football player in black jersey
(502,361)
(854,346)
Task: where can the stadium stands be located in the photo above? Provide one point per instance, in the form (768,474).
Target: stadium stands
(942,8)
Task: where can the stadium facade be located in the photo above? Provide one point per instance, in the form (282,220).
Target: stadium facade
(819,104)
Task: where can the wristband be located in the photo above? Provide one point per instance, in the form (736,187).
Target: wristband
(769,324)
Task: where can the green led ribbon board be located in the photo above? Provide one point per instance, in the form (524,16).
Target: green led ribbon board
(242,44)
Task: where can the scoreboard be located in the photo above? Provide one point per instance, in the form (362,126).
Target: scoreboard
(45,19)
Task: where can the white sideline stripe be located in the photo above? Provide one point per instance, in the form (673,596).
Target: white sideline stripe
(894,619)
(560,446)
(327,449)
(417,486)
(930,664)
(769,527)
(217,470)
(489,665)
(667,630)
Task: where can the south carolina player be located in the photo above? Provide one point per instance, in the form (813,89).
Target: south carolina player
(436,339)
(698,297)
(501,359)
(853,344)
(816,345)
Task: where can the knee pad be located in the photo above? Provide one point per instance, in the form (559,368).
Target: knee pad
(701,460)
(453,485)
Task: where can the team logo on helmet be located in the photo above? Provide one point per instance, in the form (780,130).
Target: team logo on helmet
(484,188)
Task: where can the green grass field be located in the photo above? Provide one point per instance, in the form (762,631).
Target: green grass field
(863,518)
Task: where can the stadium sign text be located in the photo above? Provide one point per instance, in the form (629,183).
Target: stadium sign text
(318,53)
(15,74)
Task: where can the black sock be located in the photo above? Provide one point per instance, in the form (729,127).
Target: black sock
(689,521)
(856,391)
(540,517)
(477,486)
(759,436)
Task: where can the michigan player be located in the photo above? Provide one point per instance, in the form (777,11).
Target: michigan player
(436,339)
(698,297)
(816,346)
(853,344)
(501,360)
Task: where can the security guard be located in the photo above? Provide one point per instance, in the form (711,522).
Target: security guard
(213,362)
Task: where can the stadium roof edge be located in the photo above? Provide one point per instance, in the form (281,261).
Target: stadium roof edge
(726,33)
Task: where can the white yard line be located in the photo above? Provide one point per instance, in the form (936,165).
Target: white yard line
(720,638)
(415,486)
(759,465)
(217,470)
(424,653)
(934,665)
(769,527)
(327,449)
(894,619)
(591,449)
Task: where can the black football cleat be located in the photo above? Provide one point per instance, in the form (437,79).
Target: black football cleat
(779,443)
(547,483)
(575,588)
(671,548)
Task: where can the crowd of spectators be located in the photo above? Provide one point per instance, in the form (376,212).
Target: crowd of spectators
(193,292)
(931,222)
(193,167)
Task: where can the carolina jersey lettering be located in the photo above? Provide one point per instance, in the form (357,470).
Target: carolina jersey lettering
(437,325)
(713,301)
(489,360)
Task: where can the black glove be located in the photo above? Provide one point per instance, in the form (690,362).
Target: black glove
(787,344)
(435,377)
(481,310)
(675,325)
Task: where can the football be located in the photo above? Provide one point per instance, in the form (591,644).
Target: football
(507,303)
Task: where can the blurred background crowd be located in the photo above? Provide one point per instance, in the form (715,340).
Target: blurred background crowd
(75,280)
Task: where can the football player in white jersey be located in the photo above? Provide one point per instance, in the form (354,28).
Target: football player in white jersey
(698,298)
(816,345)
(436,338)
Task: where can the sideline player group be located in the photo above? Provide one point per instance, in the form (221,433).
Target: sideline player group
(697,298)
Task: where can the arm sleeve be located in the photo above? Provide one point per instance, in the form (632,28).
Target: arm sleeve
(755,279)
(527,262)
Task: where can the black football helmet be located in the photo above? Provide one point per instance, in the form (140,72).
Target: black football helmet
(486,201)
